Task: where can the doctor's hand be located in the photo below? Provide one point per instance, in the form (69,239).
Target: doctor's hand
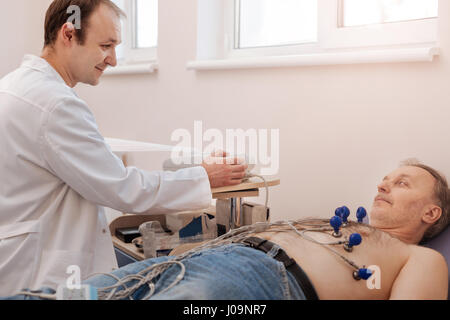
(224,172)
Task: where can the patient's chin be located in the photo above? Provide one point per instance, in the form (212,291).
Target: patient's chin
(377,216)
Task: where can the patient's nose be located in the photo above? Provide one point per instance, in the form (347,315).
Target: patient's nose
(383,187)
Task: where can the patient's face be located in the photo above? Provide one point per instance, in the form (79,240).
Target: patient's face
(402,198)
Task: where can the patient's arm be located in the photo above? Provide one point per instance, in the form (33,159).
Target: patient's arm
(423,277)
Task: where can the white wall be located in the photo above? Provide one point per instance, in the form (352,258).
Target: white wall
(21,31)
(342,128)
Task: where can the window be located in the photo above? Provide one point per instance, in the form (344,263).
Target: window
(262,23)
(146,24)
(232,29)
(357,12)
(139,31)
(332,23)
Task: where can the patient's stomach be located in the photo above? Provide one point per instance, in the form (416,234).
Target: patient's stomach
(331,276)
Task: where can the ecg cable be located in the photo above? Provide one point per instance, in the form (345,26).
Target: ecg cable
(149,274)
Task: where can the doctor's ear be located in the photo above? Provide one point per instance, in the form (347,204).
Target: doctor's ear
(68,33)
(432,214)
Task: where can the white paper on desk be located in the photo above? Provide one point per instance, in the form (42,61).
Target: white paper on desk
(119,145)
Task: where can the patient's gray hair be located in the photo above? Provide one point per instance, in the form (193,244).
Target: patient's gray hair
(441,195)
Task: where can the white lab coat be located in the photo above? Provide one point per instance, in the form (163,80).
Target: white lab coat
(56,175)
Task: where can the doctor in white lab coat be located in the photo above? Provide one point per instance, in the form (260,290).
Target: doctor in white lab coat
(56,171)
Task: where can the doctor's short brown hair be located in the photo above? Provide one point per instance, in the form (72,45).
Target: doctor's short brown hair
(57,16)
(441,196)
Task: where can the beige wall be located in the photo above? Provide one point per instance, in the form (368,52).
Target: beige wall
(342,128)
(21,24)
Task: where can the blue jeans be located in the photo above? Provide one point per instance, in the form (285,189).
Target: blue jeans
(229,272)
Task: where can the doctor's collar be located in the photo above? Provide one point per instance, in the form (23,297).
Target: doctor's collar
(40,64)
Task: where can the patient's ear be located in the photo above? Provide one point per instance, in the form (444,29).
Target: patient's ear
(432,214)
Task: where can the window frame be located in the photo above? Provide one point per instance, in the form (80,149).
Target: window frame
(133,55)
(332,37)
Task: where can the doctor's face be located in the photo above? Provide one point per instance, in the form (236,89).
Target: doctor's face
(90,60)
(403,197)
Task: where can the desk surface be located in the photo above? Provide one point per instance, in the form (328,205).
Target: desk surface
(253,183)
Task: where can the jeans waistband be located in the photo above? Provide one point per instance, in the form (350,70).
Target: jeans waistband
(289,263)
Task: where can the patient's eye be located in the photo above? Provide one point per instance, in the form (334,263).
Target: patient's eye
(106,46)
(403,183)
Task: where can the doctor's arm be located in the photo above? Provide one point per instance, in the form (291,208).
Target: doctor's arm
(76,152)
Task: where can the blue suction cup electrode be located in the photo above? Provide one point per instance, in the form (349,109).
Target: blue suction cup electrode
(361,214)
(345,211)
(336,223)
(362,273)
(338,212)
(355,239)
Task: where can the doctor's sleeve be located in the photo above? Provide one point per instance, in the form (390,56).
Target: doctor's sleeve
(76,152)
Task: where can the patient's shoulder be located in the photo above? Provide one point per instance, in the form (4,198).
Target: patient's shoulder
(424,276)
(427,255)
